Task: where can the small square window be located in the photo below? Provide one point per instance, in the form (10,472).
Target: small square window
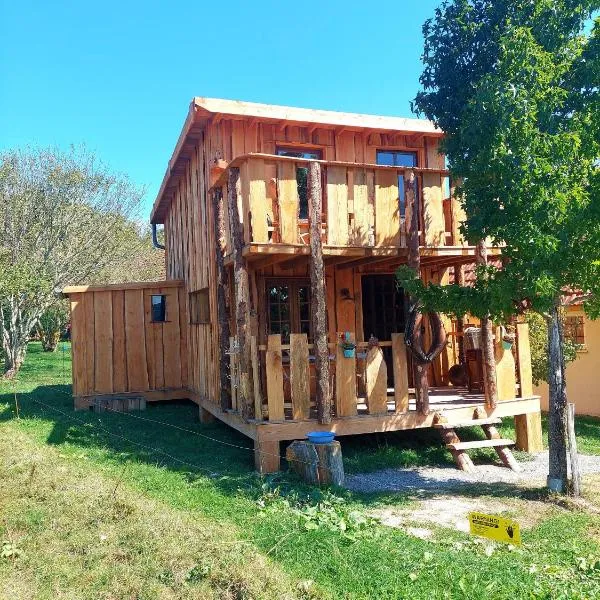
(200,306)
(159,308)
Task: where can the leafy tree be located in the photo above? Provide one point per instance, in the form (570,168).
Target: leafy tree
(514,86)
(67,219)
(538,341)
(51,325)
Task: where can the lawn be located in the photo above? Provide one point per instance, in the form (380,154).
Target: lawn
(121,506)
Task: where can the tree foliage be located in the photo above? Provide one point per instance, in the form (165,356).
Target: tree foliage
(514,87)
(66,219)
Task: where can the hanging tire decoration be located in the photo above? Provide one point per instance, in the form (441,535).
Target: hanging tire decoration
(414,335)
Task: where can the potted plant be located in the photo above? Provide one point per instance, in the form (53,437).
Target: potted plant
(348,346)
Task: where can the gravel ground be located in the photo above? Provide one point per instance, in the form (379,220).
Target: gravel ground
(432,479)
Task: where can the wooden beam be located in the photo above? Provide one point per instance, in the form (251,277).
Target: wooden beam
(414,262)
(222,300)
(242,296)
(317,288)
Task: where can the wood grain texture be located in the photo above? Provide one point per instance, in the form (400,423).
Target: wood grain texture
(345,382)
(524,359)
(400,367)
(337,206)
(274,370)
(119,348)
(433,211)
(287,193)
(137,370)
(299,376)
(171,335)
(387,214)
(376,381)
(103,343)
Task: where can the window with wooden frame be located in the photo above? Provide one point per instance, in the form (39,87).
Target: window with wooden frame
(200,306)
(301,173)
(398,158)
(288,308)
(158,308)
(574,330)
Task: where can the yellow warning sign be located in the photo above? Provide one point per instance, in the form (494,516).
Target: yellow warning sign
(495,528)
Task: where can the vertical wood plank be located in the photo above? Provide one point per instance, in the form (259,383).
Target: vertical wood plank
(505,369)
(151,332)
(77,345)
(103,342)
(433,210)
(524,355)
(137,373)
(337,206)
(345,382)
(88,341)
(287,192)
(233,372)
(252,174)
(387,213)
(299,376)
(171,343)
(183,338)
(362,209)
(258,401)
(119,350)
(274,369)
(376,381)
(400,367)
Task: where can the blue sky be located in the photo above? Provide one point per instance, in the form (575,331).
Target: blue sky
(118,76)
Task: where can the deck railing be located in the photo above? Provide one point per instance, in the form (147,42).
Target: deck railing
(361,203)
(285,388)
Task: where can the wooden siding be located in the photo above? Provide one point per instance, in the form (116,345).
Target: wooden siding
(118,349)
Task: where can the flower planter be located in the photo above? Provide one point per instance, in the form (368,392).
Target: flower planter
(349,352)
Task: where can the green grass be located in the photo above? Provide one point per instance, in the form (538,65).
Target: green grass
(111,506)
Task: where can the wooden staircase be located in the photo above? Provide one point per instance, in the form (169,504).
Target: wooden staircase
(459,449)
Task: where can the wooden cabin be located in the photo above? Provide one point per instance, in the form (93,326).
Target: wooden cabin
(247,224)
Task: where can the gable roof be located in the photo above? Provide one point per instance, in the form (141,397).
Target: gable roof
(204,109)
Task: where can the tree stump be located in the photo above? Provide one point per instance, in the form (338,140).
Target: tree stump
(317,464)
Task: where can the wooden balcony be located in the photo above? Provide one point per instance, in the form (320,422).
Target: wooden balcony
(362,208)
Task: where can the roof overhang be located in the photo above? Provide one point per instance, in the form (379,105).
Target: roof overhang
(202,110)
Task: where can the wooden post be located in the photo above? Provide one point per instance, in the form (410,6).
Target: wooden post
(487,342)
(573,458)
(242,296)
(222,300)
(414,262)
(317,288)
(528,431)
(266,456)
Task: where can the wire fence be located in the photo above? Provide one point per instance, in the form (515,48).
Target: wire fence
(65,380)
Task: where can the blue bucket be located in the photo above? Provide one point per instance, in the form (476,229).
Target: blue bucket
(320,437)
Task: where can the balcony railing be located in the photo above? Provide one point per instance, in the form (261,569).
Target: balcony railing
(362,203)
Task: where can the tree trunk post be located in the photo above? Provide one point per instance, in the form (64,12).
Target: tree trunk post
(557,421)
(242,296)
(222,300)
(317,288)
(487,342)
(420,369)
(573,458)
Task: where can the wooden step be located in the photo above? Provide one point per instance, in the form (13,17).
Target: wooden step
(472,423)
(479,444)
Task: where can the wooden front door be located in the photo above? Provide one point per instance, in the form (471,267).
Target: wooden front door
(383,312)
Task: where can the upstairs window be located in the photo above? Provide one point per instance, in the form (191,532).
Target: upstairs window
(158,306)
(302,173)
(397,158)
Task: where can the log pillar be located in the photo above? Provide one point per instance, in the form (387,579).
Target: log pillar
(528,430)
(421,379)
(205,416)
(222,300)
(242,296)
(487,342)
(266,456)
(317,288)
